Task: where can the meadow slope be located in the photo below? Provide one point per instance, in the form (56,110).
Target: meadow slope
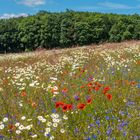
(83,93)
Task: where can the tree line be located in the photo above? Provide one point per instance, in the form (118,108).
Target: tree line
(65,29)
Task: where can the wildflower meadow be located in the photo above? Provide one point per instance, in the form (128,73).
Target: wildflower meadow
(83,93)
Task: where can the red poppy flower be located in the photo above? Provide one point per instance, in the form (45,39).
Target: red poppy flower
(132,83)
(81,106)
(99,85)
(70,107)
(59,104)
(23,94)
(90,89)
(89,84)
(106,88)
(65,90)
(11,127)
(65,108)
(96,88)
(109,96)
(104,92)
(82,86)
(89,100)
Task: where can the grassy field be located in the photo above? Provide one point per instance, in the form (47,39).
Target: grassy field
(87,93)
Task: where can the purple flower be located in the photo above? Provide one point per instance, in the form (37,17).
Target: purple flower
(94,136)
(98,122)
(54,99)
(89,115)
(1,137)
(38,122)
(109,132)
(48,135)
(42,131)
(91,125)
(86,133)
(54,111)
(138,85)
(76,130)
(107,117)
(136,137)
(120,128)
(122,113)
(124,124)
(124,133)
(88,138)
(90,78)
(30,133)
(98,131)
(130,103)
(76,97)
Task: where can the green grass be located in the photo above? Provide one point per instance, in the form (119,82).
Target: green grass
(32,85)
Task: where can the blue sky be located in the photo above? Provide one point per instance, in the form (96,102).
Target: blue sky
(12,8)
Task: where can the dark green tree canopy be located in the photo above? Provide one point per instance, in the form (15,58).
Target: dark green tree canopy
(65,29)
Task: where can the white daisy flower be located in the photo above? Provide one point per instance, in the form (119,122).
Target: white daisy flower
(40,118)
(21,127)
(34,136)
(5,119)
(2,126)
(62,130)
(65,117)
(17,124)
(55,124)
(20,104)
(28,127)
(18,132)
(56,115)
(23,118)
(51,138)
(49,124)
(43,120)
(47,130)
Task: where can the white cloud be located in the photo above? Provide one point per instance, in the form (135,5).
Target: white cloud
(109,5)
(115,5)
(7,16)
(31,3)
